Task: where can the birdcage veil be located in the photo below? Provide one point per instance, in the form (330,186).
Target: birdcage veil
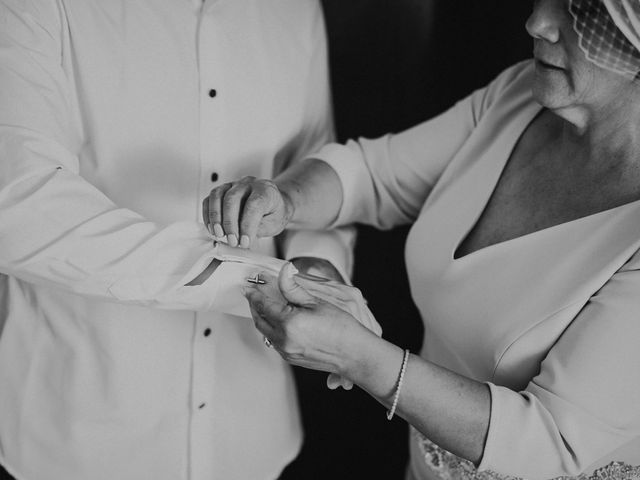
(609,33)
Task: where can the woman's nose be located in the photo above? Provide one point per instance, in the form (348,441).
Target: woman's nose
(544,21)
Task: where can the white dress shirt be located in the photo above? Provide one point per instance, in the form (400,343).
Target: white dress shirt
(116,118)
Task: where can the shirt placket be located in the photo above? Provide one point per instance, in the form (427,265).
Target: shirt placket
(202,441)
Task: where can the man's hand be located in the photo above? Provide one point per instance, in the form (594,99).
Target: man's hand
(317,267)
(246,209)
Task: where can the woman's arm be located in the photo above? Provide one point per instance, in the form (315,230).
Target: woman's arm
(314,194)
(382,182)
(320,252)
(450,409)
(580,408)
(307,195)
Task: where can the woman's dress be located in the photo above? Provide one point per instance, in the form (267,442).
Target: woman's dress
(549,320)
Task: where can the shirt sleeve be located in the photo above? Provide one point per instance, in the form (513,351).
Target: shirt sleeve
(335,245)
(57,229)
(386,181)
(584,402)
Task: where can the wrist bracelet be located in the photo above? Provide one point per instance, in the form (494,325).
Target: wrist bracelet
(396,395)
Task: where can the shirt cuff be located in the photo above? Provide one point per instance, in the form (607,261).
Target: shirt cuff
(351,171)
(523,427)
(491,448)
(221,292)
(334,246)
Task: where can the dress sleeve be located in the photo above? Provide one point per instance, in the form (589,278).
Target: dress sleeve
(386,181)
(57,229)
(584,402)
(335,245)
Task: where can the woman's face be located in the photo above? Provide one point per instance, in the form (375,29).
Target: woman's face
(564,78)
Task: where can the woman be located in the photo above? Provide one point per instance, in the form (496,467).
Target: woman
(523,260)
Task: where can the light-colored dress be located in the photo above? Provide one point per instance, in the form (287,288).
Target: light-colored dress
(549,320)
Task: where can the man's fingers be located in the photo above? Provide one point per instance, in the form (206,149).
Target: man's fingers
(334,381)
(371,323)
(290,289)
(324,287)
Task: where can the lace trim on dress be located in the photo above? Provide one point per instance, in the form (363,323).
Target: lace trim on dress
(450,467)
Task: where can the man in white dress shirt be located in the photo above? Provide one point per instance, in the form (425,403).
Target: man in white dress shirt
(116,118)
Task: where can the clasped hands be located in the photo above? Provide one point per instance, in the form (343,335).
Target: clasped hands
(312,322)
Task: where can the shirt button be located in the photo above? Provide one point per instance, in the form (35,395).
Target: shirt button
(214,177)
(213,93)
(207,332)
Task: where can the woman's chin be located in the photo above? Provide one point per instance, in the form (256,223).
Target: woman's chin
(550,94)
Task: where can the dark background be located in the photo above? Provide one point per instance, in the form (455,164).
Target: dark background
(394,63)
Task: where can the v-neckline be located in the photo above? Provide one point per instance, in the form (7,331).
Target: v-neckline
(528,121)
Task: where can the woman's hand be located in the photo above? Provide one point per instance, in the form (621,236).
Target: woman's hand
(306,195)
(306,329)
(246,209)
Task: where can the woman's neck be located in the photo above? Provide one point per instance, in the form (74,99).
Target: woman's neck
(610,134)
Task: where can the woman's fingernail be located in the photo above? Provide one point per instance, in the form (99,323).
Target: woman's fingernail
(244,241)
(232,240)
(218,231)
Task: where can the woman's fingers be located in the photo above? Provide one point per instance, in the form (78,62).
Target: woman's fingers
(241,210)
(263,211)
(291,291)
(267,302)
(275,311)
(232,205)
(212,210)
(261,324)
(257,206)
(205,214)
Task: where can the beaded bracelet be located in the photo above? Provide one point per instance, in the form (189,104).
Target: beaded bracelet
(396,396)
